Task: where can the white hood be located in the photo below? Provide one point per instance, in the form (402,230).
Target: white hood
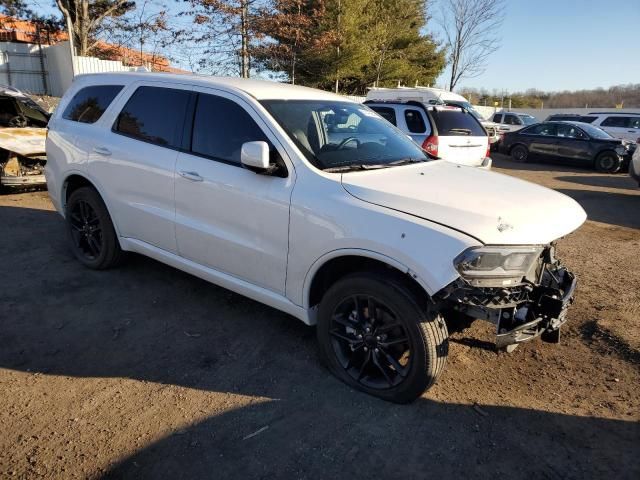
(494,208)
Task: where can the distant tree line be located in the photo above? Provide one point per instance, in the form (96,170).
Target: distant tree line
(620,96)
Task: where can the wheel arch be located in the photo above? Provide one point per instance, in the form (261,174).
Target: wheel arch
(335,265)
(518,143)
(75,180)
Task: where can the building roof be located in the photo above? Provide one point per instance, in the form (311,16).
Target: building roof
(259,89)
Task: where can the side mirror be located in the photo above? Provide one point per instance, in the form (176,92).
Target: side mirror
(255,155)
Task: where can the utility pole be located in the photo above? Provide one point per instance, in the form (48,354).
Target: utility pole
(338,48)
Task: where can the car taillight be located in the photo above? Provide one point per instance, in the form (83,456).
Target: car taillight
(430,145)
(488,154)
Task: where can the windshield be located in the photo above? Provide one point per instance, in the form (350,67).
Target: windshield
(337,136)
(469,107)
(595,132)
(528,119)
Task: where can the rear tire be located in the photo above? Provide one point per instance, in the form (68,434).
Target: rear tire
(519,154)
(394,353)
(92,237)
(607,162)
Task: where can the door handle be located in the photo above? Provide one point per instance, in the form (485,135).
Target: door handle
(102,151)
(193,176)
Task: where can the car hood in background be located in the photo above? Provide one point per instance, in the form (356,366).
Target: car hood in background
(494,208)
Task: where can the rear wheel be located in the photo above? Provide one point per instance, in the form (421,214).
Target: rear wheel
(519,153)
(608,162)
(375,336)
(92,237)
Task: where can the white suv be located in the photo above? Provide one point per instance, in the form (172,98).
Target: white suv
(314,205)
(625,126)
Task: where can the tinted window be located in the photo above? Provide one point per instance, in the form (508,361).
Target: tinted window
(615,122)
(634,122)
(587,119)
(595,132)
(389,114)
(415,122)
(541,129)
(456,122)
(512,120)
(154,115)
(220,128)
(88,105)
(497,118)
(569,131)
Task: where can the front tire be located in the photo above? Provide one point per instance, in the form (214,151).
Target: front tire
(376,336)
(519,154)
(608,162)
(91,234)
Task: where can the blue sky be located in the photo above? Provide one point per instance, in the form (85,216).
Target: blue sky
(547,44)
(564,44)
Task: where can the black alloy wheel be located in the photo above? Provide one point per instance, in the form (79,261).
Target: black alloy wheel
(380,336)
(86,230)
(370,344)
(608,162)
(91,233)
(519,153)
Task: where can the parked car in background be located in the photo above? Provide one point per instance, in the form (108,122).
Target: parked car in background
(625,126)
(433,96)
(316,206)
(22,135)
(570,117)
(450,133)
(571,142)
(634,165)
(512,121)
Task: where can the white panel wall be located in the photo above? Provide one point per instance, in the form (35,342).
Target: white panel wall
(20,66)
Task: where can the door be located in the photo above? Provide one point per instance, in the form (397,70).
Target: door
(227,217)
(572,144)
(135,162)
(543,142)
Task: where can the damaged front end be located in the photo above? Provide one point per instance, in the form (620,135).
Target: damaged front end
(535,306)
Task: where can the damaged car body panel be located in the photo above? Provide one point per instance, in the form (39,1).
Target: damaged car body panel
(534,307)
(22,156)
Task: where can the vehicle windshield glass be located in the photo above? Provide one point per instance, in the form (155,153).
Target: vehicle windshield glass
(470,108)
(595,132)
(528,119)
(336,135)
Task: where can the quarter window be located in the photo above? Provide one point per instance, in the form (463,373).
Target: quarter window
(415,122)
(154,115)
(88,105)
(615,122)
(389,114)
(220,127)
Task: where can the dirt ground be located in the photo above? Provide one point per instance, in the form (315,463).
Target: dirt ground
(147,372)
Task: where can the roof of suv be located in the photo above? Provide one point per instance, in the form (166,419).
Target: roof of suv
(259,89)
(625,114)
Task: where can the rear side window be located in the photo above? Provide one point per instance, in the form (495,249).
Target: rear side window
(512,120)
(415,121)
(497,118)
(587,119)
(615,122)
(88,105)
(389,114)
(457,123)
(220,127)
(154,115)
(542,129)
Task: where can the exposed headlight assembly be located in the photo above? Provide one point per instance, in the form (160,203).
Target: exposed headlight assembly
(621,149)
(493,266)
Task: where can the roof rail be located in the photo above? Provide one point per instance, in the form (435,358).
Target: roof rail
(614,113)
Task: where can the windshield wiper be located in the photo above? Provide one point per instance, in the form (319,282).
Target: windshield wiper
(356,166)
(466,131)
(405,161)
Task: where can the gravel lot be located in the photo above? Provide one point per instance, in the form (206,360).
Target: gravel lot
(147,372)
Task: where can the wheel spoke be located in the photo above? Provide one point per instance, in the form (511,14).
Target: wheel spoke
(377,363)
(339,318)
(364,365)
(386,328)
(402,371)
(347,339)
(371,310)
(93,245)
(394,342)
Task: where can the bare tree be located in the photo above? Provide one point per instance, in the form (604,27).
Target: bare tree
(471,32)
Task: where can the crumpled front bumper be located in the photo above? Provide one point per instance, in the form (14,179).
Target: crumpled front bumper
(520,313)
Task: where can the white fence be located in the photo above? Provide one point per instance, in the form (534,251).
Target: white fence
(48,71)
